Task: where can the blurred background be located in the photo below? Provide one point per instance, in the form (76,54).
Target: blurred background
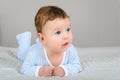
(95,23)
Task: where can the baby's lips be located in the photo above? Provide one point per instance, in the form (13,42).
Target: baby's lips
(65,44)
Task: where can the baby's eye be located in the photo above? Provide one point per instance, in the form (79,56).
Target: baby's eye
(68,29)
(58,32)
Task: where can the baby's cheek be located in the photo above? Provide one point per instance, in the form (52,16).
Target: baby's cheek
(71,38)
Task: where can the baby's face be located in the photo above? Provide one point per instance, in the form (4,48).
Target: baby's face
(57,35)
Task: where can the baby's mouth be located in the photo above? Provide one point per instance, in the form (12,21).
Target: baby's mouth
(65,44)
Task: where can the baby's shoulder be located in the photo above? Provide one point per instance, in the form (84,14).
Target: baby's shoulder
(36,48)
(71,48)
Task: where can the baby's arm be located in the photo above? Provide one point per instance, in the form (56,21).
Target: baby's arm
(31,66)
(73,65)
(28,67)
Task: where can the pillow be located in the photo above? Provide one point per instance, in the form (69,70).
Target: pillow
(24,43)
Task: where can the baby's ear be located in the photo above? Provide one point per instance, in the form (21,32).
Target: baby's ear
(41,38)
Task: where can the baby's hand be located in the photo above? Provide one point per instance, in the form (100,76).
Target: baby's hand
(58,71)
(45,71)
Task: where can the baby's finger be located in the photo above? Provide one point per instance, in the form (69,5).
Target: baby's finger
(49,74)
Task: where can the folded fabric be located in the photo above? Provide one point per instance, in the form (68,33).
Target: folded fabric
(24,42)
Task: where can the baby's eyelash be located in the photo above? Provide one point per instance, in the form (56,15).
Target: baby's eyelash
(58,32)
(68,29)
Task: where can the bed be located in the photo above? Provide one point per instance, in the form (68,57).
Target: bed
(99,63)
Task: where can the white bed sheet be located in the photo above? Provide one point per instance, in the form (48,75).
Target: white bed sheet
(102,63)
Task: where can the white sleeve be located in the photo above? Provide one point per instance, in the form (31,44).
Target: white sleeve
(37,71)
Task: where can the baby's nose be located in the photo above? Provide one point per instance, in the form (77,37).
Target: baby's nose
(65,35)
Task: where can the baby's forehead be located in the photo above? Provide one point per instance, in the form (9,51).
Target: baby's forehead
(59,22)
(59,19)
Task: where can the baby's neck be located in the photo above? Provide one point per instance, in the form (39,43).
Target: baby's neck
(55,54)
(55,59)
(51,53)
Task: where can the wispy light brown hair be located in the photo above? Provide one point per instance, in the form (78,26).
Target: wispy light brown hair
(48,13)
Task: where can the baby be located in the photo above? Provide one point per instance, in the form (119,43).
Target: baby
(53,54)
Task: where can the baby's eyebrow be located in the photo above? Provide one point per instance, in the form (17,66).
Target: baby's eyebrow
(70,25)
(57,28)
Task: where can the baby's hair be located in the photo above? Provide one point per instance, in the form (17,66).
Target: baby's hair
(48,13)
